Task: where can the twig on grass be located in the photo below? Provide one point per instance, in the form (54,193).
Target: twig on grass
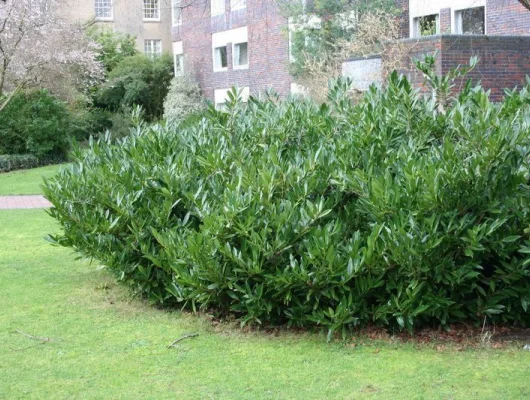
(40,339)
(191,335)
(25,348)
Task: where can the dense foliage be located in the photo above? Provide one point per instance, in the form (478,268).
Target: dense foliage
(95,118)
(35,123)
(184,98)
(114,46)
(321,30)
(137,80)
(17,161)
(393,211)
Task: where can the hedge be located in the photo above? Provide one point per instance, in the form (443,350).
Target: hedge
(17,161)
(394,211)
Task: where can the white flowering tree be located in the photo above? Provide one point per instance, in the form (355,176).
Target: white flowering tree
(39,49)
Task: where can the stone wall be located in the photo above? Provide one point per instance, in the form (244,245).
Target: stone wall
(363,71)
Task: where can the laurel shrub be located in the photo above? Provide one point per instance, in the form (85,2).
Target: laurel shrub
(393,211)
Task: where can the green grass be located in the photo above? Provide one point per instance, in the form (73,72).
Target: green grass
(25,181)
(104,344)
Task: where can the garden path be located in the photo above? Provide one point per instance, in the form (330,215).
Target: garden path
(17,202)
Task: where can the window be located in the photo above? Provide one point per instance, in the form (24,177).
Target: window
(151,10)
(218,7)
(177,12)
(103,9)
(234,39)
(470,21)
(220,59)
(426,25)
(178,58)
(152,48)
(221,96)
(240,55)
(179,64)
(298,41)
(238,4)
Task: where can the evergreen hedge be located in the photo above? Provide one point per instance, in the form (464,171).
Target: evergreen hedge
(36,123)
(395,211)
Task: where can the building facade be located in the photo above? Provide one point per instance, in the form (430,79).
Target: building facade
(148,20)
(245,43)
(495,31)
(230,43)
(468,17)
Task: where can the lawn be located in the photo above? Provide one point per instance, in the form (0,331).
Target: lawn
(98,342)
(25,182)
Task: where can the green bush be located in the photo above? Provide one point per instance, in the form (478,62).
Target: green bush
(183,99)
(35,123)
(86,122)
(392,212)
(114,46)
(138,80)
(17,161)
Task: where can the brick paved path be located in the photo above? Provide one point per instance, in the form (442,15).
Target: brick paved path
(11,202)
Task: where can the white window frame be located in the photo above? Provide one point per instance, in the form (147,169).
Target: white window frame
(243,66)
(238,5)
(458,23)
(217,7)
(175,58)
(151,54)
(228,38)
(176,7)
(416,25)
(178,53)
(98,14)
(217,68)
(157,10)
(221,97)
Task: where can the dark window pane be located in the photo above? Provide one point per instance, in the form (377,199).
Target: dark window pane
(224,62)
(428,25)
(473,21)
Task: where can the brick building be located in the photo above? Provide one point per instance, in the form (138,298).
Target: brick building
(147,20)
(245,43)
(230,43)
(478,17)
(497,31)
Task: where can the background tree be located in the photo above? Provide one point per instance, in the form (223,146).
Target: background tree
(184,98)
(39,49)
(113,46)
(326,32)
(137,80)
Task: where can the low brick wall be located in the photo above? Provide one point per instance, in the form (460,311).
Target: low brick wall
(507,17)
(504,61)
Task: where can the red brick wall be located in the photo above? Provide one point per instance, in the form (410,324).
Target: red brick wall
(507,17)
(268,47)
(504,61)
(404,27)
(445,20)
(417,49)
